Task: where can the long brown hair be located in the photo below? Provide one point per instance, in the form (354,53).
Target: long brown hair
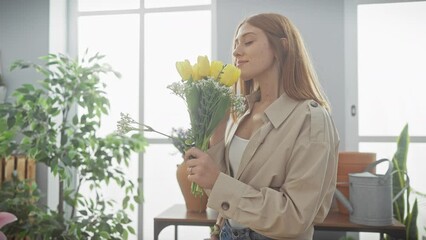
(298,78)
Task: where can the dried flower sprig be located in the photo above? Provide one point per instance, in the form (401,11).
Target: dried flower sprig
(181,139)
(127,124)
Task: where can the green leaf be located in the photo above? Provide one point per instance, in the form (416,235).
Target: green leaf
(398,179)
(220,110)
(402,148)
(125,235)
(131,230)
(19,64)
(11,121)
(29,87)
(75,120)
(192,96)
(83,212)
(138,199)
(411,223)
(105,235)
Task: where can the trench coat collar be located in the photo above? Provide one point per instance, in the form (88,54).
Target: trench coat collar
(276,113)
(280,109)
(274,116)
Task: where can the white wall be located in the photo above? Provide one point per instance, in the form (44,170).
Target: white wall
(321,24)
(24,28)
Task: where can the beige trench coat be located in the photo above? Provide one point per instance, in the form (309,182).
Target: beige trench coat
(287,176)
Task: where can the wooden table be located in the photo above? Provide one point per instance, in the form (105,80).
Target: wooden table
(336,221)
(177,215)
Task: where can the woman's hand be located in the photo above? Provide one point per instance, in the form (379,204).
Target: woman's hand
(201,168)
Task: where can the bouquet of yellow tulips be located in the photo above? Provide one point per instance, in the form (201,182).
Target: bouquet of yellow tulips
(206,89)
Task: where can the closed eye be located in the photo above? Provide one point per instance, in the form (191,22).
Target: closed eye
(248,43)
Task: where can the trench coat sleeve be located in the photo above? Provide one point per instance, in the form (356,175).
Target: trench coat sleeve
(304,197)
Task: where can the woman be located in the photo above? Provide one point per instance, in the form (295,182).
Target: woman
(271,173)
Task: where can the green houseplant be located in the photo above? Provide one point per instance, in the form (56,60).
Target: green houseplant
(20,197)
(402,209)
(55,122)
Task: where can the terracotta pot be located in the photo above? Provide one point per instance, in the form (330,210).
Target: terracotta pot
(350,162)
(193,204)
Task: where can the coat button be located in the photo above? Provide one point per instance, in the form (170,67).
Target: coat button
(314,104)
(225,206)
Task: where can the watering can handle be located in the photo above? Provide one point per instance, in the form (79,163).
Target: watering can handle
(383,178)
(374,164)
(404,188)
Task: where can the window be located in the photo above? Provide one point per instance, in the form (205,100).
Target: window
(164,45)
(141,41)
(390,83)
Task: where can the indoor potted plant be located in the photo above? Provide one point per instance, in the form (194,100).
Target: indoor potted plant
(20,197)
(402,209)
(43,123)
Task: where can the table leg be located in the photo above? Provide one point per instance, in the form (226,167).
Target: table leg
(397,235)
(176,232)
(158,227)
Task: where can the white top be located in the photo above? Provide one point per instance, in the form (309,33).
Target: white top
(236,150)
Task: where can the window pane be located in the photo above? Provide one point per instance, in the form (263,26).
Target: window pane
(391,71)
(164,45)
(174,3)
(161,191)
(103,5)
(106,34)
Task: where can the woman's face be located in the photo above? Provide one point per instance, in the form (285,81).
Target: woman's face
(253,53)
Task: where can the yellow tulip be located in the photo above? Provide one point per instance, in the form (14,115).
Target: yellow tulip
(203,66)
(185,69)
(230,75)
(215,69)
(196,72)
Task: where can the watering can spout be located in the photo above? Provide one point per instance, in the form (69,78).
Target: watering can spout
(339,195)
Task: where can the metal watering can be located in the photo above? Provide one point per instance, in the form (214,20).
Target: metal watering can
(371,196)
